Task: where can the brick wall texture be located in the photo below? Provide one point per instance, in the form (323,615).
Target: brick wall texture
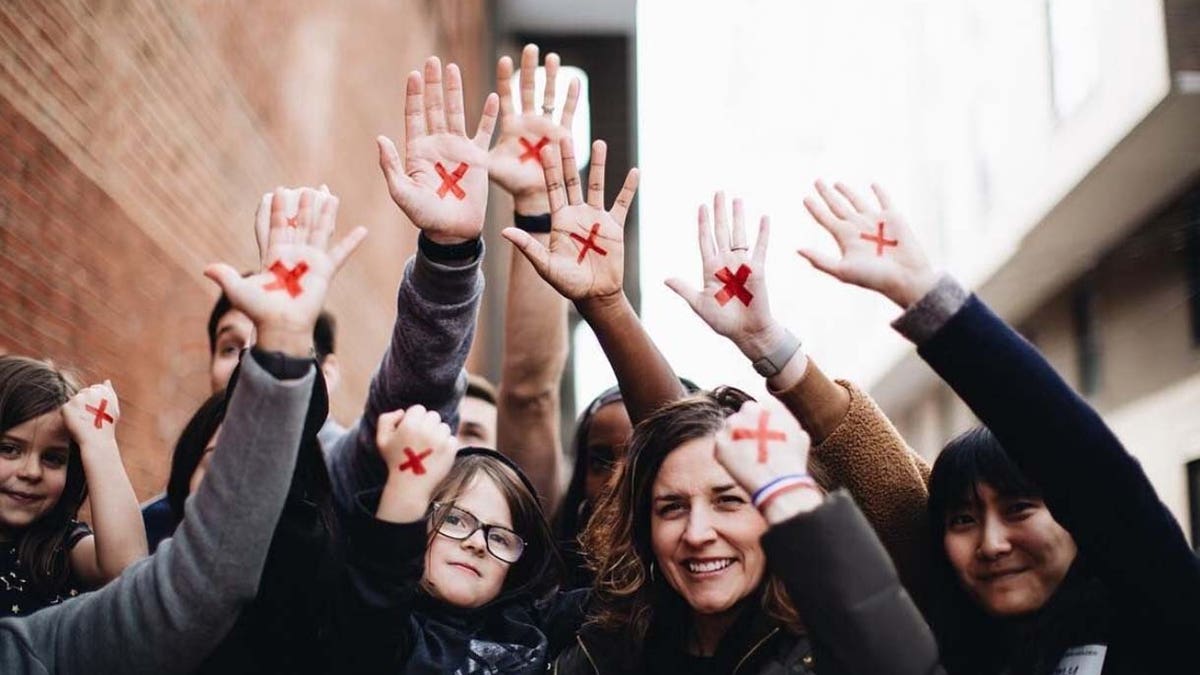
(135,139)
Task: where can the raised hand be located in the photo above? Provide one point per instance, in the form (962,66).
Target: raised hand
(766,453)
(442,183)
(586,255)
(284,299)
(418,449)
(91,415)
(879,250)
(291,212)
(515,162)
(733,300)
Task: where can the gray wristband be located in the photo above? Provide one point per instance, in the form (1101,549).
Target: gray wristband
(777,358)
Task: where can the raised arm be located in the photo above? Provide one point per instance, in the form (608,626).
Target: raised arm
(585,260)
(836,572)
(856,446)
(1048,430)
(535,315)
(441,186)
(165,613)
(91,417)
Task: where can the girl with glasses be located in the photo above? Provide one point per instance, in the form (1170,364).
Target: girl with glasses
(453,564)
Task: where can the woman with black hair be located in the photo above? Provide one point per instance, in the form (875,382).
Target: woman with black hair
(1068,559)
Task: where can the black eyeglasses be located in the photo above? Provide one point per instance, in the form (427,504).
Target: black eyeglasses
(460,524)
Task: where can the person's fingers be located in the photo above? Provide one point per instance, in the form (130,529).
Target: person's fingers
(529,59)
(857,202)
(277,231)
(504,71)
(571,171)
(737,239)
(455,117)
(595,193)
(825,262)
(836,205)
(551,67)
(435,107)
(326,221)
(568,113)
(262,224)
(823,217)
(689,293)
(885,202)
(625,197)
(305,215)
(348,245)
(721,222)
(552,168)
(487,122)
(761,242)
(414,108)
(708,250)
(533,250)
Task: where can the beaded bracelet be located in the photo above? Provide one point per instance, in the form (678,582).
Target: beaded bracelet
(780,485)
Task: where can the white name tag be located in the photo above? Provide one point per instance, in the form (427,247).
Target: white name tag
(1083,660)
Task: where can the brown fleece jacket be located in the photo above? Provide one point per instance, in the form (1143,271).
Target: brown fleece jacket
(856,447)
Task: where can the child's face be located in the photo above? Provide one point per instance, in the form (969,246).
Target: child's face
(463,573)
(33,470)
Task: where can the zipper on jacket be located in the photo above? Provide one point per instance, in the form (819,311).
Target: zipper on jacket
(754,649)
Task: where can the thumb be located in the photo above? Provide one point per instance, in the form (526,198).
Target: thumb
(225,276)
(685,291)
(822,261)
(537,254)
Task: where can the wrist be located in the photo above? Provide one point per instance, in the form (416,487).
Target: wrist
(757,344)
(792,503)
(533,202)
(600,307)
(288,340)
(91,447)
(914,288)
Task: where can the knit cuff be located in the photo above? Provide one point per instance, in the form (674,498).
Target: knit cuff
(927,316)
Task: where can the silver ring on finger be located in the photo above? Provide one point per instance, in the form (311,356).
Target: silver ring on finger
(548,109)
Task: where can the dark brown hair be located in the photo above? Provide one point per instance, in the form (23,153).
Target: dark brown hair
(617,538)
(30,388)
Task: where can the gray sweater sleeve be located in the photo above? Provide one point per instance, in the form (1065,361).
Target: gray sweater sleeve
(435,324)
(165,613)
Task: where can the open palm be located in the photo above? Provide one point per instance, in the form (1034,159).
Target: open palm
(514,162)
(441,185)
(586,253)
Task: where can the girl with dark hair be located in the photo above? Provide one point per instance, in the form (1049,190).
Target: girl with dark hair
(55,438)
(1066,559)
(454,565)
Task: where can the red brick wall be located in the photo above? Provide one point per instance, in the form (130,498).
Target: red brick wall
(137,136)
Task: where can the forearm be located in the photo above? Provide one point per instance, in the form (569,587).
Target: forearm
(535,355)
(116,518)
(845,587)
(436,310)
(400,503)
(646,379)
(182,601)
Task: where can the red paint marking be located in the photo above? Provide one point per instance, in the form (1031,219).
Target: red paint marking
(287,279)
(762,434)
(291,222)
(589,243)
(450,180)
(880,242)
(414,460)
(735,285)
(532,151)
(101,416)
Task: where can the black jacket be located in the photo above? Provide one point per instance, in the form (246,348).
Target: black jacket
(392,626)
(859,618)
(1131,550)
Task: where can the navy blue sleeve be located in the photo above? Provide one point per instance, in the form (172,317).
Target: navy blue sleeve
(1094,488)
